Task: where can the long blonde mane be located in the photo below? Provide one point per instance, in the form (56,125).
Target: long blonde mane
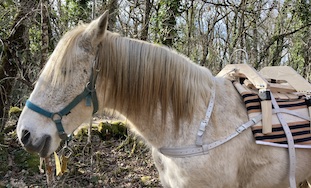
(145,77)
(137,76)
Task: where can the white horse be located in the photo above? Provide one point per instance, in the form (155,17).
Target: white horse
(164,97)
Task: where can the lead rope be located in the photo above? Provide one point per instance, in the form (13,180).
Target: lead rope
(290,142)
(89,134)
(91,120)
(95,69)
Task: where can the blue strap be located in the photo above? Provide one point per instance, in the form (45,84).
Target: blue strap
(88,101)
(74,102)
(95,102)
(39,110)
(60,129)
(63,112)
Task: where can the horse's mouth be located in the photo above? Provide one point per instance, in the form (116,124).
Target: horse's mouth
(41,147)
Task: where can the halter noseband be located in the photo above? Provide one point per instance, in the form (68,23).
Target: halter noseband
(89,94)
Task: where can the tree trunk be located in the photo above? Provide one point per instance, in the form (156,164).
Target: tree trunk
(170,22)
(145,30)
(307,56)
(113,12)
(15,44)
(45,32)
(190,17)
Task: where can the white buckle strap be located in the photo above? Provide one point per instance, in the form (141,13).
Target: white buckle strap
(201,150)
(199,139)
(290,112)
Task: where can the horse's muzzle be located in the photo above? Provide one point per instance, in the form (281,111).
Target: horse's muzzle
(41,146)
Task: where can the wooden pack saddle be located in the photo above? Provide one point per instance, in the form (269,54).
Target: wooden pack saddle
(292,93)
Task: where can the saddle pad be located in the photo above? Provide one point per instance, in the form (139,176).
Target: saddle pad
(299,127)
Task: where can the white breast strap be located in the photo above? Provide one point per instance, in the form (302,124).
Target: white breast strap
(291,145)
(201,150)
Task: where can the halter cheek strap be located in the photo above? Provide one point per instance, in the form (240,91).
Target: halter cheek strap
(89,94)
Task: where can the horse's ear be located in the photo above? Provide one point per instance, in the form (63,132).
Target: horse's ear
(102,23)
(95,32)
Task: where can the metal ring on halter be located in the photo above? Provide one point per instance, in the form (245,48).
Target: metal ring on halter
(55,115)
(88,85)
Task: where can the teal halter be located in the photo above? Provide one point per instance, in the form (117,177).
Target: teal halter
(89,94)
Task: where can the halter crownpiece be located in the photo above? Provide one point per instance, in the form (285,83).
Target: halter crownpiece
(89,94)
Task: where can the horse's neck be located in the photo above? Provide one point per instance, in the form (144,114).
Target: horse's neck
(163,134)
(154,129)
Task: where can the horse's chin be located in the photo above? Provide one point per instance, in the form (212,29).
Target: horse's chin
(48,148)
(44,152)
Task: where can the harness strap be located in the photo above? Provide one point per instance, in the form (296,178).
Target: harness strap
(291,145)
(290,112)
(203,124)
(39,110)
(201,150)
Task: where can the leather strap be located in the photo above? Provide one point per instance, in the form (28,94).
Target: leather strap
(290,142)
(201,150)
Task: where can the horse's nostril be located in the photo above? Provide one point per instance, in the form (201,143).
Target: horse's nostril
(25,136)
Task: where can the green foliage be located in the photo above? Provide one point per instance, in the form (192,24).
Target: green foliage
(12,156)
(296,59)
(14,110)
(104,130)
(74,11)
(303,10)
(35,39)
(4,158)
(163,23)
(115,129)
(27,160)
(8,11)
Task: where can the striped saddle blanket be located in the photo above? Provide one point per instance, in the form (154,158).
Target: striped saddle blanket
(299,127)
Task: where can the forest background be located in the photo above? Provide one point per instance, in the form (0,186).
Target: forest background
(211,33)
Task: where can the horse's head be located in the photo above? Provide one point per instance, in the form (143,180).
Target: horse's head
(62,98)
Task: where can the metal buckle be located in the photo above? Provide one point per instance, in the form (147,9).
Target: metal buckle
(66,151)
(62,135)
(241,128)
